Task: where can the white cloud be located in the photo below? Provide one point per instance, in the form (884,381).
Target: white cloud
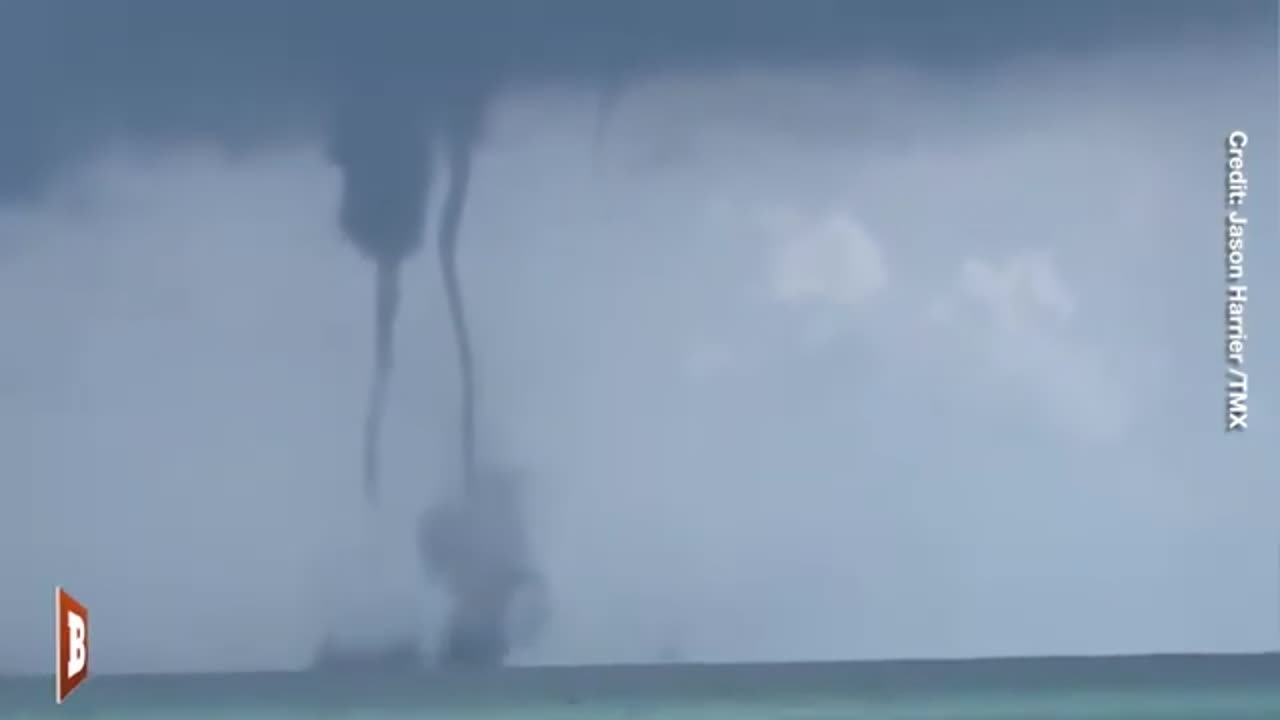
(1024,289)
(831,259)
(823,267)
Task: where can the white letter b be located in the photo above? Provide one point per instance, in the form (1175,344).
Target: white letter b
(75,654)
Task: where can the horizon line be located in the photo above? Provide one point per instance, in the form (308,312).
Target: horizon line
(431,669)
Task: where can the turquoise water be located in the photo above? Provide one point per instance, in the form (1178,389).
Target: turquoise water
(1132,688)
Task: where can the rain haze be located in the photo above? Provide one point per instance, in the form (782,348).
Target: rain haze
(909,351)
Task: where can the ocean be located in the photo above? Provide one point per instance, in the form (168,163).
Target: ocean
(1204,687)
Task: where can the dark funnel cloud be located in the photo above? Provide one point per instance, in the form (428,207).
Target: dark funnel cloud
(476,541)
(384,84)
(380,142)
(462,123)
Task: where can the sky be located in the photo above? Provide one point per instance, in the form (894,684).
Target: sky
(858,360)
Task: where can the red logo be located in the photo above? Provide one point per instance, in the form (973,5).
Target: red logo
(71,644)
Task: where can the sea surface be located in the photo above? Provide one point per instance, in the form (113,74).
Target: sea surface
(1204,687)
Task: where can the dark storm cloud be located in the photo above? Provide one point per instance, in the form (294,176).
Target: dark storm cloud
(245,71)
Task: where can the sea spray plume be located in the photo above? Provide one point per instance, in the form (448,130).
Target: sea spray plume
(479,545)
(380,142)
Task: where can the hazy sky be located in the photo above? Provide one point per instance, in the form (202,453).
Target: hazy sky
(850,362)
